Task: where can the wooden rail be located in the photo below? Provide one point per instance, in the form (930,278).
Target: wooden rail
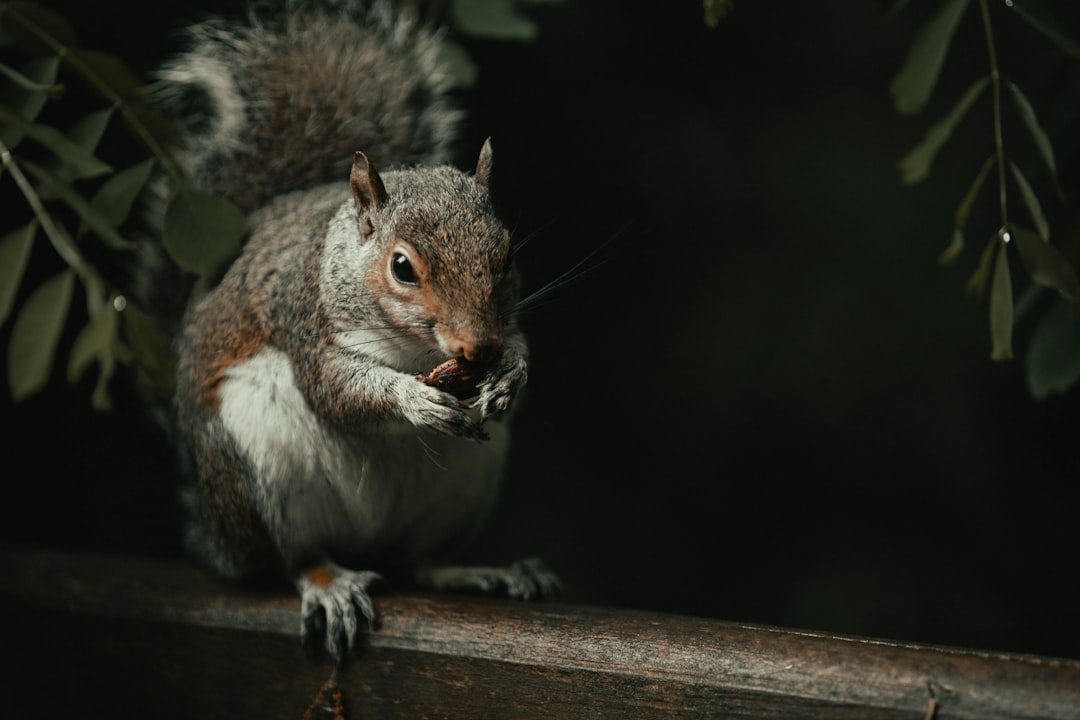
(117,637)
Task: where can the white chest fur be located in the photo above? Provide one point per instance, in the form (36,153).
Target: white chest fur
(328,492)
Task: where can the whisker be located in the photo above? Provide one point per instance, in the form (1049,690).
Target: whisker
(580,269)
(517,245)
(432,454)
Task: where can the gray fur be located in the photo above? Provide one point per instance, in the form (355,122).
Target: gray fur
(319,453)
(281,104)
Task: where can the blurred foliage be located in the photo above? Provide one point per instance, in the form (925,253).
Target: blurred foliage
(484,19)
(80,203)
(1053,358)
(716,10)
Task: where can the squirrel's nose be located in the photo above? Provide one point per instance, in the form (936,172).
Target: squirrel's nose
(473,349)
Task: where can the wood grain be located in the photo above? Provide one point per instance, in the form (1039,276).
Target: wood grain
(146,637)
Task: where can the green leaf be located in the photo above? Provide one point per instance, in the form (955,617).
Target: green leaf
(915,166)
(963,211)
(14,255)
(202,232)
(28,104)
(714,11)
(976,284)
(1001,309)
(496,19)
(151,349)
(53,90)
(86,133)
(1040,19)
(1038,135)
(1046,265)
(109,70)
(163,129)
(458,63)
(35,29)
(82,162)
(97,222)
(1031,201)
(114,199)
(36,335)
(914,83)
(1053,357)
(95,340)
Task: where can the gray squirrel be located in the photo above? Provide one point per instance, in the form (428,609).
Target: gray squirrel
(319,451)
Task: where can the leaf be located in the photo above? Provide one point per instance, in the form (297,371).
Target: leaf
(202,232)
(1001,309)
(36,335)
(35,29)
(1053,356)
(1031,201)
(915,166)
(14,255)
(89,215)
(151,349)
(1038,135)
(1046,265)
(496,19)
(28,104)
(86,133)
(81,161)
(163,129)
(914,83)
(53,90)
(114,198)
(108,70)
(976,284)
(458,64)
(100,399)
(95,340)
(1040,19)
(963,211)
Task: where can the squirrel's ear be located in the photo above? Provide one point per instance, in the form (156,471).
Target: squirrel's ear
(367,187)
(484,164)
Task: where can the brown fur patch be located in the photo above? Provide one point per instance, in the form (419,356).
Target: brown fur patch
(321,576)
(242,344)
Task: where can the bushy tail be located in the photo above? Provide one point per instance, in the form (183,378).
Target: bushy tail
(282,101)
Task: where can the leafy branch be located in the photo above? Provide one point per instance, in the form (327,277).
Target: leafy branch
(1046,266)
(69,170)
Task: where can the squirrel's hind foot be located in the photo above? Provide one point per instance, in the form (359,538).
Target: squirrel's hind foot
(333,600)
(528,579)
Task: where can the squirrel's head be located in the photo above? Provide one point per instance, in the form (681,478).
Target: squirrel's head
(442,268)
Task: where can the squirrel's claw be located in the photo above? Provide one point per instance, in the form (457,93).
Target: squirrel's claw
(498,390)
(332,602)
(443,413)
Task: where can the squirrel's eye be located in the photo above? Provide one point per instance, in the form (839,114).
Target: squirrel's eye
(402,269)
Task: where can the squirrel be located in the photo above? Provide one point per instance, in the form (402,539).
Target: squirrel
(319,452)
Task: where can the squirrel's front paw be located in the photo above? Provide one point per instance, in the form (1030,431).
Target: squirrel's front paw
(332,602)
(501,385)
(440,411)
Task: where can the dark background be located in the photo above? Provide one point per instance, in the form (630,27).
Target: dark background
(764,401)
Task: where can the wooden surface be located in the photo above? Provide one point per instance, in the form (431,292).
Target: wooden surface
(133,637)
